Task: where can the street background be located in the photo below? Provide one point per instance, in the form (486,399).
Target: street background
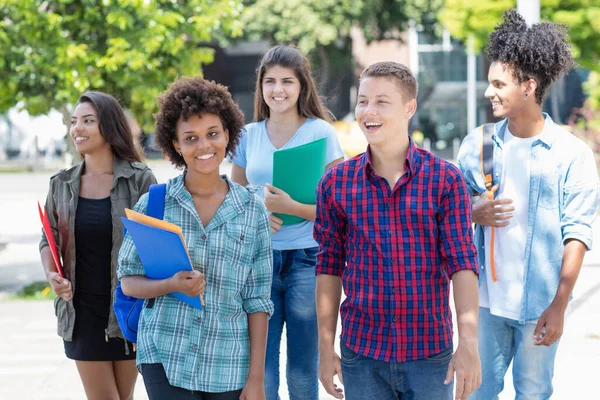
(32,360)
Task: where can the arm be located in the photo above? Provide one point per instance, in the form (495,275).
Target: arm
(191,283)
(61,286)
(257,328)
(459,257)
(330,233)
(148,179)
(553,318)
(581,200)
(278,201)
(238,174)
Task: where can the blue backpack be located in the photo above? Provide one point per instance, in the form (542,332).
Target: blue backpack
(127,308)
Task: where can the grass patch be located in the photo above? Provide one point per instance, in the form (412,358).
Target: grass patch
(35,291)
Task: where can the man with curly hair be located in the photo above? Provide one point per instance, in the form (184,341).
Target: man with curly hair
(534,224)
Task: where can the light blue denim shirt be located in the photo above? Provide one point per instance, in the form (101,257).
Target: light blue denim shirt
(563,203)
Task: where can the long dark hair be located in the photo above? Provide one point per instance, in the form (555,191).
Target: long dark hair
(113,123)
(310,105)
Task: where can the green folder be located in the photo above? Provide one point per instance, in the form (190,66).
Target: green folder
(297,171)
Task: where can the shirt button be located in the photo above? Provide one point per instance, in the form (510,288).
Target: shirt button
(199,319)
(393,290)
(395,319)
(203,237)
(194,347)
(391,233)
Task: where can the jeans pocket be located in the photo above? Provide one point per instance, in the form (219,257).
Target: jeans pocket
(347,355)
(442,357)
(154,374)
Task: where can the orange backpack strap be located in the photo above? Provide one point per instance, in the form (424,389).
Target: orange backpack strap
(487,171)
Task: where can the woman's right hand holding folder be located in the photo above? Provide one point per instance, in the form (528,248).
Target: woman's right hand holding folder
(190,283)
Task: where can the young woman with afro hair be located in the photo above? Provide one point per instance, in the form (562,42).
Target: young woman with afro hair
(216,353)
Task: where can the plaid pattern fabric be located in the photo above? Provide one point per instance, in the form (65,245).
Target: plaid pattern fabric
(208,350)
(395,251)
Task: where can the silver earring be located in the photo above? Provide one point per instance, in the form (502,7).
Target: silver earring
(525,96)
(181,154)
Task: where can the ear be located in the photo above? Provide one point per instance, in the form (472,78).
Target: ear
(176,146)
(411,108)
(530,87)
(227,135)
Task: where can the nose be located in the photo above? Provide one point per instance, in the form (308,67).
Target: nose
(489,92)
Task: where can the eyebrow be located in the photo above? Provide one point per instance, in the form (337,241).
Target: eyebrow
(378,95)
(86,115)
(286,77)
(208,129)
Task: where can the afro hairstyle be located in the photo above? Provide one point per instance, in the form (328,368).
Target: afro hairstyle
(189,96)
(541,52)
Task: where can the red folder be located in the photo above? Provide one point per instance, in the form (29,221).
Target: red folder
(50,238)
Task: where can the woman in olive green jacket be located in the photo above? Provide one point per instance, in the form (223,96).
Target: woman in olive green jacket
(85,204)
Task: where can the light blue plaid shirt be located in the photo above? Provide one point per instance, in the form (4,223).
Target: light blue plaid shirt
(208,350)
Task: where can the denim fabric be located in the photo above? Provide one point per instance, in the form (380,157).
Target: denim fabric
(293,295)
(159,388)
(366,378)
(563,202)
(502,340)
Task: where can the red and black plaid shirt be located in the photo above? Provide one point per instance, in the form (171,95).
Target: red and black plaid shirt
(396,251)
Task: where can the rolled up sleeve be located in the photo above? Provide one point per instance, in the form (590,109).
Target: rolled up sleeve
(256,293)
(581,198)
(52,218)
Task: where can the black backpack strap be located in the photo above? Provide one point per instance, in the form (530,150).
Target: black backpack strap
(487,155)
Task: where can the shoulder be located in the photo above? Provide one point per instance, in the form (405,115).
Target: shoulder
(67,174)
(434,164)
(320,126)
(569,145)
(345,170)
(252,128)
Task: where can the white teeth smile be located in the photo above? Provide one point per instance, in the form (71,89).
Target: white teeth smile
(206,156)
(278,98)
(372,124)
(80,139)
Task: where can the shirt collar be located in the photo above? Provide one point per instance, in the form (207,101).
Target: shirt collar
(410,163)
(547,136)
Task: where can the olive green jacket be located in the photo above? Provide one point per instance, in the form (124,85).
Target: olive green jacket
(131,181)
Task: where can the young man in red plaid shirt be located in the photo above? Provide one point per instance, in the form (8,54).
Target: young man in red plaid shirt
(394,228)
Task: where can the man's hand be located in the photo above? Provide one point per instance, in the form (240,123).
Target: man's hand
(254,389)
(275,223)
(467,366)
(61,286)
(550,325)
(492,212)
(191,283)
(330,365)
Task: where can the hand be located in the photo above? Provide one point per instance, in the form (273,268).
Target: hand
(275,223)
(329,366)
(277,201)
(61,286)
(492,212)
(191,283)
(467,366)
(254,389)
(550,325)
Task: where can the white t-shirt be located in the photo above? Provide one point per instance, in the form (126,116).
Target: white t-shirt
(255,154)
(504,297)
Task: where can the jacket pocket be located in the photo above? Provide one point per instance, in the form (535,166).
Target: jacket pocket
(62,315)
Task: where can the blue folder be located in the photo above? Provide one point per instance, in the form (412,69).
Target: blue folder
(163,254)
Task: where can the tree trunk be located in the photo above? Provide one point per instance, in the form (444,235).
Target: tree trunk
(324,70)
(71,156)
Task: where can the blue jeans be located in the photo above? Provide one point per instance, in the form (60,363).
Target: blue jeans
(503,340)
(293,294)
(365,378)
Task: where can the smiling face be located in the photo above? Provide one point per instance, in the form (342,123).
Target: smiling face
(202,141)
(85,130)
(381,111)
(509,98)
(281,89)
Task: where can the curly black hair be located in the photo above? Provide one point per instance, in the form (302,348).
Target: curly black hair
(541,52)
(189,96)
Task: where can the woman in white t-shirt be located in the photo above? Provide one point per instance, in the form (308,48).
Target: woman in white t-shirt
(288,112)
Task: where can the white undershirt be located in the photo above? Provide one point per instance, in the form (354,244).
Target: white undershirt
(504,296)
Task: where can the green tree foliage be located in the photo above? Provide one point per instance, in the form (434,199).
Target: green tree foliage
(54,50)
(322,27)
